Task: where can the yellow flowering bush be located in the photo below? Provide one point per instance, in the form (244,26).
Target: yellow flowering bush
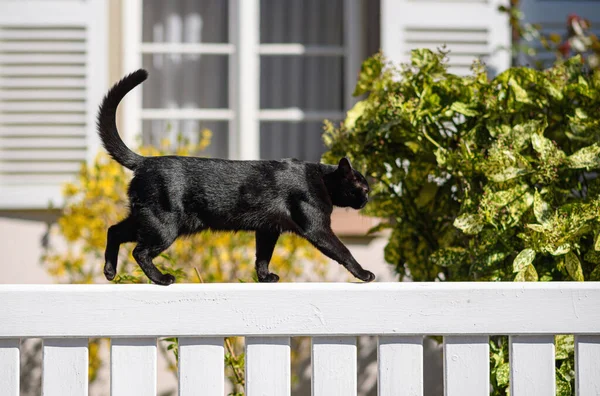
(98,199)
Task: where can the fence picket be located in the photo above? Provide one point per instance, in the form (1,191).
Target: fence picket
(268,366)
(9,366)
(532,365)
(334,366)
(466,365)
(400,365)
(587,364)
(65,367)
(201,367)
(133,366)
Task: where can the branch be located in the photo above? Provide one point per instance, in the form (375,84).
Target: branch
(239,377)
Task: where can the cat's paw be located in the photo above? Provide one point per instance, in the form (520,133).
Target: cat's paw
(109,272)
(269,278)
(366,276)
(165,280)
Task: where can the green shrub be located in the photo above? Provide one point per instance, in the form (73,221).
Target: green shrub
(479,179)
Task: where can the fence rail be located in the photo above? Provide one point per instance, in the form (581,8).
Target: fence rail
(400,314)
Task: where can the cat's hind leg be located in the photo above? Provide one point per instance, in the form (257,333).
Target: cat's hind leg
(154,236)
(145,253)
(265,244)
(124,231)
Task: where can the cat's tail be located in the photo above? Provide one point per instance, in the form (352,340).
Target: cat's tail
(106,122)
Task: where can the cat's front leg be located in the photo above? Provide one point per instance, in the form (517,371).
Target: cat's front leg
(265,244)
(329,244)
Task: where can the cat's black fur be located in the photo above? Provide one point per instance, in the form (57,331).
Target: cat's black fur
(171,196)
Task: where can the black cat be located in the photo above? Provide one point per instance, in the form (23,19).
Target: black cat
(170,196)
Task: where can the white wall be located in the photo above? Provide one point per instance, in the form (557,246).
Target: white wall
(22,235)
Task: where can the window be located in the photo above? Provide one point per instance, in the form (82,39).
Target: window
(260,74)
(302,60)
(185,48)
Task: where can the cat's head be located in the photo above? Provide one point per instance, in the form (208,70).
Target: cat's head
(348,187)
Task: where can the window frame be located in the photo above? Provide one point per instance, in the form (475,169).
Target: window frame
(243,114)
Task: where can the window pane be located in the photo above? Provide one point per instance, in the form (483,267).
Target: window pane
(301,140)
(157,130)
(185,21)
(311,22)
(310,83)
(186,81)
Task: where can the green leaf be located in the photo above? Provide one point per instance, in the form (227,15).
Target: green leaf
(504,197)
(592,256)
(413,146)
(492,259)
(518,208)
(552,90)
(567,368)
(597,242)
(523,259)
(441,156)
(448,257)
(354,113)
(559,250)
(469,223)
(503,374)
(537,227)
(595,275)
(520,277)
(520,135)
(563,385)
(527,275)
(521,95)
(541,209)
(580,113)
(531,274)
(565,346)
(506,174)
(427,194)
(370,71)
(573,267)
(379,227)
(497,130)
(542,145)
(587,157)
(464,109)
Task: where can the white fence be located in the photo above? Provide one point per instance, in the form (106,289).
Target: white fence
(133,316)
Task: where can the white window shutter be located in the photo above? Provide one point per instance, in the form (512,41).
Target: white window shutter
(552,16)
(470,29)
(53,74)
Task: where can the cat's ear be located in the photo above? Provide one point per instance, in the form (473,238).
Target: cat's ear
(345,167)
